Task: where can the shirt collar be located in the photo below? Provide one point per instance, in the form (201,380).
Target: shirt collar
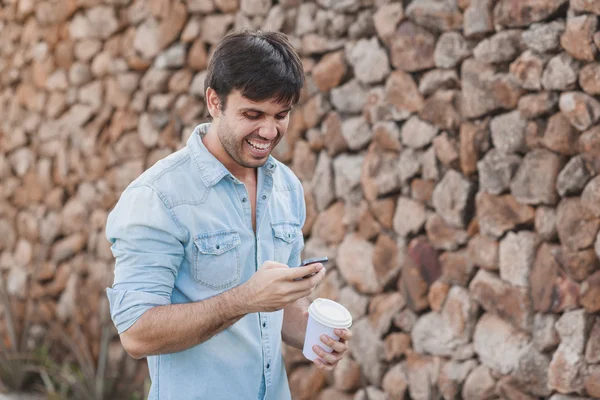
(212,170)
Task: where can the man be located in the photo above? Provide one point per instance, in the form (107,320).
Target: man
(204,241)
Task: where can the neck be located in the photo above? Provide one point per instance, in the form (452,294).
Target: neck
(213,145)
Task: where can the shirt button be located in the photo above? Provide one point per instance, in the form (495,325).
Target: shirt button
(264,197)
(244,200)
(264,324)
(268,366)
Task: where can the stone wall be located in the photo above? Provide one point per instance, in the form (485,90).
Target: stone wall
(448,150)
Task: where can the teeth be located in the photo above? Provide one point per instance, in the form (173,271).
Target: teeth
(257,146)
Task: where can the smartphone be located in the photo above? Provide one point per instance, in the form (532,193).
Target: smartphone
(322,260)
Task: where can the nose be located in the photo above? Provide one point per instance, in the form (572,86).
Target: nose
(268,129)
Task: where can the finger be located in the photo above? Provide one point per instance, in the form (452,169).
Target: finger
(323,366)
(307,284)
(334,344)
(331,358)
(344,334)
(299,272)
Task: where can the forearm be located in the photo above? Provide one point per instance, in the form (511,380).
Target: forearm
(177,327)
(294,323)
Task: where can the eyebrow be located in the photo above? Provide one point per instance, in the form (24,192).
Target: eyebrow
(250,109)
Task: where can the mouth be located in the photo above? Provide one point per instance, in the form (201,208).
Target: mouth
(258,149)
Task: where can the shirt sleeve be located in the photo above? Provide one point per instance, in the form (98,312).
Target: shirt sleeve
(147,246)
(295,258)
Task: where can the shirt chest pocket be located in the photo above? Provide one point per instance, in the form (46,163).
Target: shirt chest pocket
(216,259)
(285,236)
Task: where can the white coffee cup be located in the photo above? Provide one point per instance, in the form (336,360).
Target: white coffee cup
(324,316)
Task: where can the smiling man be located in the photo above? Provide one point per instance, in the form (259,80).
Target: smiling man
(204,241)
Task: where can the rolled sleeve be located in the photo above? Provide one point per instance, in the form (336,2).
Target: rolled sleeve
(147,244)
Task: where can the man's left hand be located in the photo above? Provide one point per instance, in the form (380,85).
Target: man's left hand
(327,361)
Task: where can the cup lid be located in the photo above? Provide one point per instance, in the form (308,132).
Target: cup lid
(330,313)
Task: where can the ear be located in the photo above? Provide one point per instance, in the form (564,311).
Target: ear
(213,103)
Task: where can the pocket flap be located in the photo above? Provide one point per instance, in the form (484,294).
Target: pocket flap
(286,231)
(217,243)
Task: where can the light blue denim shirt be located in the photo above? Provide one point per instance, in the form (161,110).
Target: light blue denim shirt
(182,232)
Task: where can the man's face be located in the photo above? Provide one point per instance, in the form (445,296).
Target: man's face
(249,131)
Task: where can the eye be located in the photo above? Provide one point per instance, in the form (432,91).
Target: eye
(282,116)
(252,116)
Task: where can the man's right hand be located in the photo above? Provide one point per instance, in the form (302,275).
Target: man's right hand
(272,287)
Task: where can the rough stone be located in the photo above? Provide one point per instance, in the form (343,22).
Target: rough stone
(347,176)
(382,309)
(457,267)
(423,372)
(450,50)
(524,13)
(498,214)
(574,176)
(444,236)
(401,91)
(356,132)
(498,344)
(437,79)
(517,253)
(508,132)
(367,349)
(591,381)
(551,290)
(560,73)
(560,136)
(479,384)
(442,333)
(350,97)
(412,48)
(484,252)
(544,37)
(421,268)
(535,178)
(484,90)
(451,198)
(388,257)
(330,70)
(528,69)
(355,303)
(436,15)
(496,171)
(370,61)
(545,223)
(478,19)
(537,104)
(577,39)
(501,298)
(581,109)
(589,78)
(386,19)
(452,375)
(565,374)
(395,382)
(440,110)
(380,173)
(354,258)
(576,225)
(474,140)
(504,46)
(544,336)
(409,217)
(417,133)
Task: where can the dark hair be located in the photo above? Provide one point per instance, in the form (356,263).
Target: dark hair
(261,65)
